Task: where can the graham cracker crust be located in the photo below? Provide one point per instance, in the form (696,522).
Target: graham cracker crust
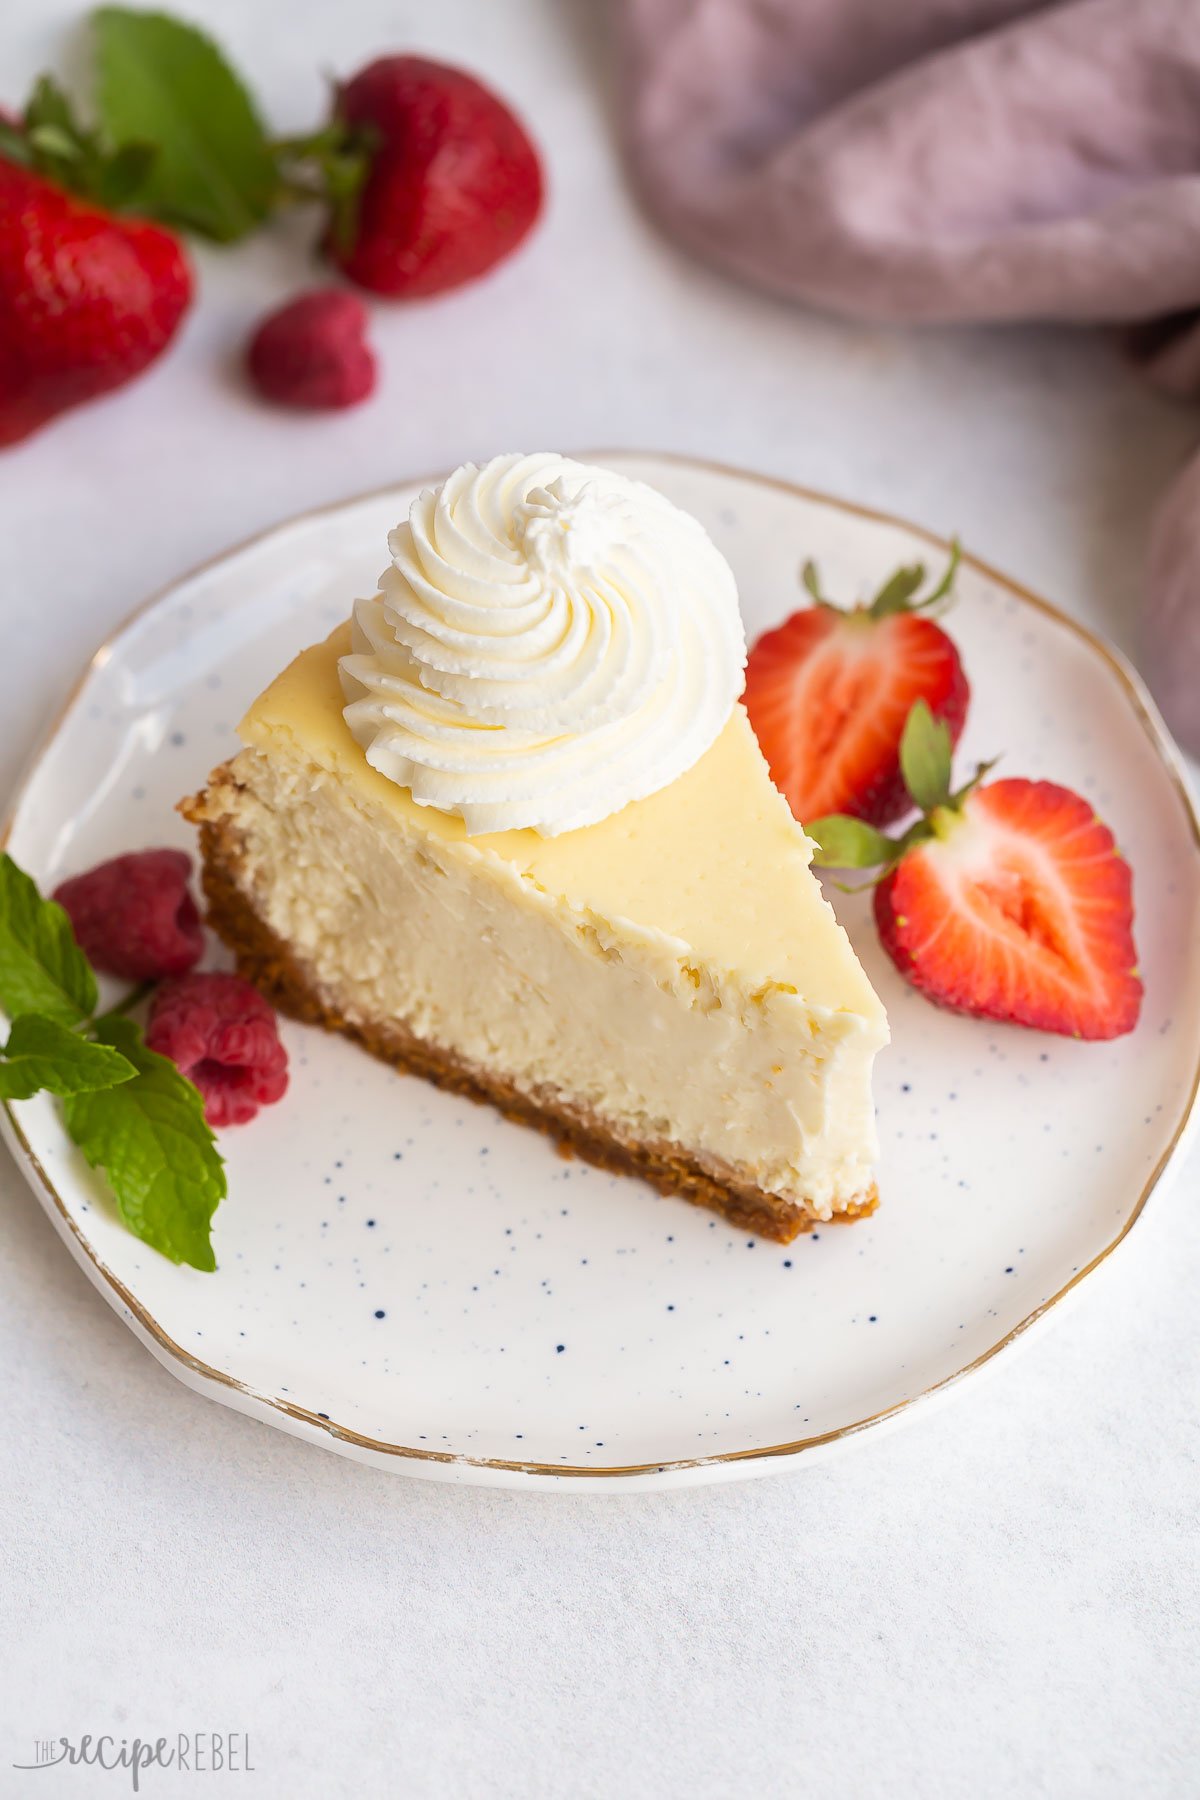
(267,962)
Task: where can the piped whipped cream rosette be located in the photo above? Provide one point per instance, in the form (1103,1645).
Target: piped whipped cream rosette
(550,642)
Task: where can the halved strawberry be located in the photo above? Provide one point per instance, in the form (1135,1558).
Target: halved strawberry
(828,693)
(1009,901)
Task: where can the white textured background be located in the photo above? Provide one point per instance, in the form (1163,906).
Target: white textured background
(999,1600)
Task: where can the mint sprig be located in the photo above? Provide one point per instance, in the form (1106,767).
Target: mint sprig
(42,968)
(42,1056)
(150,1138)
(130,1111)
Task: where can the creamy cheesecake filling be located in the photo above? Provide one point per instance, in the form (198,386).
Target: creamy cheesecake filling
(472,954)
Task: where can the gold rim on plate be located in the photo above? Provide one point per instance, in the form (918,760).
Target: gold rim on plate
(1148,718)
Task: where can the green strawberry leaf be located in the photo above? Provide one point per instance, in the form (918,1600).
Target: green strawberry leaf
(56,144)
(150,1138)
(811,580)
(42,1056)
(846,843)
(14,145)
(42,968)
(925,757)
(48,107)
(942,590)
(899,592)
(163,83)
(52,140)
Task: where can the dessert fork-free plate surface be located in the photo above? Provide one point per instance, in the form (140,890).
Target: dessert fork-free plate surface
(412,1281)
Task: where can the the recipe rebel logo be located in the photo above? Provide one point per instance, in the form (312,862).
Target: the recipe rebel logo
(195,1752)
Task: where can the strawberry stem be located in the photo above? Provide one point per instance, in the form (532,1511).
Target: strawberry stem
(330,165)
(898,593)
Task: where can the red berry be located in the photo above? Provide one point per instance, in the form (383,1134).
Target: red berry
(134,916)
(221,1034)
(312,352)
(1019,907)
(454,182)
(87,300)
(828,693)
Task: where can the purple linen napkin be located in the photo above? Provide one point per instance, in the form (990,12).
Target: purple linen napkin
(926,160)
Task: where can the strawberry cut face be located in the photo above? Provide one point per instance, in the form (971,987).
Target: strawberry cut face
(1019,908)
(828,694)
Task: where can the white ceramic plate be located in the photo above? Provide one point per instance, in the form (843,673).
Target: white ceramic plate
(409,1279)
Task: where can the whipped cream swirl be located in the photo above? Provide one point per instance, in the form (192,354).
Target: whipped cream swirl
(550,641)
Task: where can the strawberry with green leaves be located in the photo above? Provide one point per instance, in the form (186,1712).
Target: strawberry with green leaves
(424,177)
(1007,899)
(829,690)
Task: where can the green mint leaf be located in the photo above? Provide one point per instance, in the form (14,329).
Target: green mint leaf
(42,968)
(925,757)
(846,843)
(164,83)
(42,1056)
(149,1137)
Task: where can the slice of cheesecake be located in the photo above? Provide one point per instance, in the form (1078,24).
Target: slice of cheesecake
(664,989)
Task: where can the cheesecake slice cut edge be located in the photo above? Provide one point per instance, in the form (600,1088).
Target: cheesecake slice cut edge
(667,992)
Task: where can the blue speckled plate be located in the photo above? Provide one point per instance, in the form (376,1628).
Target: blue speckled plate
(412,1281)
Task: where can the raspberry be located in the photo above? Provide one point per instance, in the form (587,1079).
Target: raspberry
(312,352)
(221,1034)
(134,916)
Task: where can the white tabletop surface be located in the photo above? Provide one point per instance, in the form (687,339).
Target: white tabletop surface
(1000,1599)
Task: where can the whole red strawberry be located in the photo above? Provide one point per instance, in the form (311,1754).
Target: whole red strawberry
(828,693)
(1009,901)
(87,299)
(453,183)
